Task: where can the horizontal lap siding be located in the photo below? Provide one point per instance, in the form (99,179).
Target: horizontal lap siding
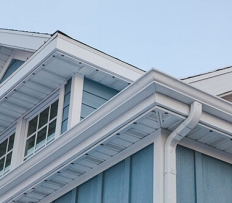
(94,95)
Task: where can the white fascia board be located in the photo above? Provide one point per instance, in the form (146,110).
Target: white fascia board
(22,40)
(28,67)
(98,59)
(197,78)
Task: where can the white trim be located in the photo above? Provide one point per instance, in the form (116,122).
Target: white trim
(158,162)
(60,111)
(22,40)
(100,60)
(19,146)
(75,100)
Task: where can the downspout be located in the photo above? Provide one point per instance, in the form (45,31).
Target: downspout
(170,151)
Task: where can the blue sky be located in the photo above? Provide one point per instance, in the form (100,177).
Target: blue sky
(181,37)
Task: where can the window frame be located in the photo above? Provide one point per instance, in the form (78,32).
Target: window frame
(36,112)
(6,136)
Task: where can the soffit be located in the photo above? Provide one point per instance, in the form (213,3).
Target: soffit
(45,79)
(124,137)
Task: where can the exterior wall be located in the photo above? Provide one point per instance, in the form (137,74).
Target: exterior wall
(201,178)
(129,181)
(94,95)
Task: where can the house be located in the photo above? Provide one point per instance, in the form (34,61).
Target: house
(78,125)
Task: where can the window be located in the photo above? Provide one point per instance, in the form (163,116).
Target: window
(14,65)
(6,149)
(67,94)
(41,130)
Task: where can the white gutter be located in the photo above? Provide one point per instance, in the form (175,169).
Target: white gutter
(170,150)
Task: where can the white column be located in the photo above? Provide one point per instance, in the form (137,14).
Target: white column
(60,112)
(75,100)
(158,174)
(19,143)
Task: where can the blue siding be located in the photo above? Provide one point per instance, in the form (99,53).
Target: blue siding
(94,95)
(113,184)
(87,192)
(65,198)
(216,180)
(130,181)
(202,179)
(142,176)
(185,175)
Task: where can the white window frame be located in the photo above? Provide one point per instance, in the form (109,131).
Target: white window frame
(36,111)
(6,135)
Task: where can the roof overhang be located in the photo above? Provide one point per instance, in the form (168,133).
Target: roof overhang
(22,40)
(216,82)
(50,67)
(123,125)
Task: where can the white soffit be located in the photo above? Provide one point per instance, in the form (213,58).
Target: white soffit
(29,41)
(54,68)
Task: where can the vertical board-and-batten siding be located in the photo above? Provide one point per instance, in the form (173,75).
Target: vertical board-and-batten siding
(202,179)
(129,181)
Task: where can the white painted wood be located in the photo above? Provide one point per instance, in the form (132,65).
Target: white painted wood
(75,100)
(158,174)
(19,143)
(60,112)
(105,62)
(22,40)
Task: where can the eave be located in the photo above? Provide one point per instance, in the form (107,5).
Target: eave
(22,40)
(153,102)
(50,67)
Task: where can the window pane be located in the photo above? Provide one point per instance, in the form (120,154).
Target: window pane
(51,130)
(43,119)
(3,146)
(30,145)
(11,142)
(8,162)
(41,137)
(54,108)
(64,126)
(1,165)
(65,113)
(32,126)
(66,99)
